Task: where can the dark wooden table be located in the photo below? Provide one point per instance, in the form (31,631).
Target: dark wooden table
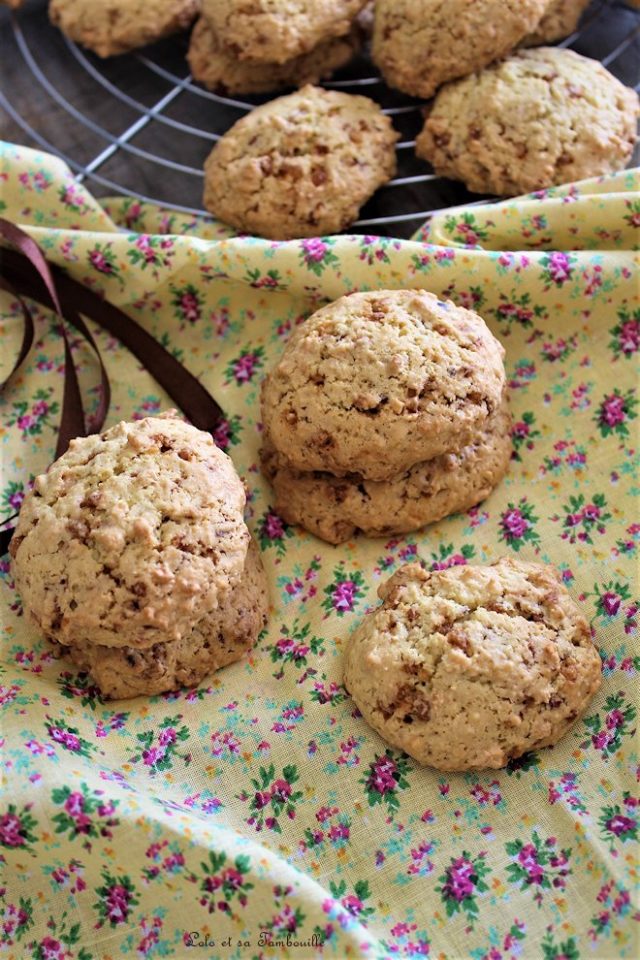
(118,116)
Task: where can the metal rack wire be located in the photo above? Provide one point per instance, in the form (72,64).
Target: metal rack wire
(152,126)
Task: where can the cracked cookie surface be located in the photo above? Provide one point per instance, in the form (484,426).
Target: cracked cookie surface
(213,65)
(421,44)
(470,667)
(219,639)
(116,26)
(336,508)
(132,536)
(542,117)
(376,382)
(300,165)
(274,31)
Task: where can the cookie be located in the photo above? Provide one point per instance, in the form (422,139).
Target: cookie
(274,31)
(421,44)
(300,165)
(116,26)
(335,508)
(219,639)
(217,69)
(131,537)
(560,19)
(566,118)
(470,667)
(379,381)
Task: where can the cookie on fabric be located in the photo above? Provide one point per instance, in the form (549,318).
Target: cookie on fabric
(117,26)
(131,537)
(379,381)
(560,20)
(214,66)
(220,638)
(337,508)
(274,31)
(300,165)
(421,44)
(566,118)
(470,667)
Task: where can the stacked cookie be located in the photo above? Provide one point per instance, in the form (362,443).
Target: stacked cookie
(132,554)
(387,411)
(255,48)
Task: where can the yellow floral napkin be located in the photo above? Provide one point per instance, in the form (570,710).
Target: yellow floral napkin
(258,816)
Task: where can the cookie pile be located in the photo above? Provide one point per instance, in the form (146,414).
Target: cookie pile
(132,554)
(468,668)
(238,50)
(386,411)
(505,121)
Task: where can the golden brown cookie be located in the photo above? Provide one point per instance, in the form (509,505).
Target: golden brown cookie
(213,65)
(336,508)
(116,26)
(421,44)
(540,118)
(131,537)
(561,19)
(219,639)
(379,381)
(300,165)
(274,31)
(470,667)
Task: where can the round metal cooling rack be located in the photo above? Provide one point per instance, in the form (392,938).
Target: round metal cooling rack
(137,125)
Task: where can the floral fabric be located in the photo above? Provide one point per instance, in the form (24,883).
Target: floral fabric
(258,816)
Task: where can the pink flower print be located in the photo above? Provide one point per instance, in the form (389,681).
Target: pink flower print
(167,736)
(273,527)
(243,368)
(74,804)
(344,595)
(459,885)
(629,337)
(10,830)
(153,755)
(382,775)
(262,799)
(610,603)
(281,790)
(190,307)
(99,262)
(314,249)
(353,904)
(613,411)
(117,904)
(51,949)
(528,859)
(614,719)
(339,831)
(514,524)
(559,267)
(25,422)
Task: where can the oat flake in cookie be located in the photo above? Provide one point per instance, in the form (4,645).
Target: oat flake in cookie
(376,382)
(540,118)
(131,537)
(471,667)
(300,165)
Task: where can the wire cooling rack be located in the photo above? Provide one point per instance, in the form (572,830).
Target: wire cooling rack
(137,125)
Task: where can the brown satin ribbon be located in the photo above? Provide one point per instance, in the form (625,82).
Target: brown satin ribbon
(24,272)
